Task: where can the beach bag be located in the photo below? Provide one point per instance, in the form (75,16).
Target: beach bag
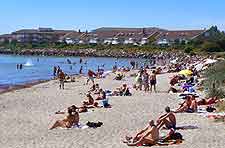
(210,109)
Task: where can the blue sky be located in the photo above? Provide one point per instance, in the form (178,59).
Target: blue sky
(91,14)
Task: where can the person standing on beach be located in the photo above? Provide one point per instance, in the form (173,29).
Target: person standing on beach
(153,80)
(91,76)
(61,79)
(146,80)
(138,81)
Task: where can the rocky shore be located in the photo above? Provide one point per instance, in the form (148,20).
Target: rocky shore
(82,52)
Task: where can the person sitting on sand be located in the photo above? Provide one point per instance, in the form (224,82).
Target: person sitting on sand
(122,91)
(102,95)
(148,136)
(90,100)
(71,119)
(92,88)
(189,105)
(168,119)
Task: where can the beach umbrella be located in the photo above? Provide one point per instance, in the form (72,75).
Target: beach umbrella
(199,67)
(185,72)
(174,61)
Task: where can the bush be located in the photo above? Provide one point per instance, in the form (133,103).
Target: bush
(188,50)
(220,106)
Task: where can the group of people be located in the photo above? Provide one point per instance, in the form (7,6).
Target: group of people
(146,80)
(150,134)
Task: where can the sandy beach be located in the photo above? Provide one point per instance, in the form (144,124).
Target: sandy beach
(26,115)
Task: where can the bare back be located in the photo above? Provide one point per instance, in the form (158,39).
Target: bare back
(172,117)
(153,133)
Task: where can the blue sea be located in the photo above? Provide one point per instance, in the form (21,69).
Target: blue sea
(41,67)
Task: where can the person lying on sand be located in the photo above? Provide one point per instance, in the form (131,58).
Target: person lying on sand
(209,101)
(168,119)
(148,136)
(189,105)
(81,109)
(71,119)
(173,89)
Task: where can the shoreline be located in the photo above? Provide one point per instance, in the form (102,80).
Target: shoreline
(10,88)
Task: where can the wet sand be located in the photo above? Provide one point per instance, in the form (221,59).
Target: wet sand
(26,114)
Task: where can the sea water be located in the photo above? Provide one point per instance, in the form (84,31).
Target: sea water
(41,67)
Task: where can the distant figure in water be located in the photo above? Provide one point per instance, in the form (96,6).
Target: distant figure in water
(132,63)
(71,67)
(68,61)
(54,70)
(81,69)
(81,60)
(21,66)
(17,66)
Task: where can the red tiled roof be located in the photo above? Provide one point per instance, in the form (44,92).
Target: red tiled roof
(172,35)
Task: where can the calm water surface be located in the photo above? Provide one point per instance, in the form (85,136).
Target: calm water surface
(41,67)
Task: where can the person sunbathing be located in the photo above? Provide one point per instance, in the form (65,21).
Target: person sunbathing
(148,136)
(102,95)
(173,89)
(122,91)
(189,105)
(168,119)
(209,101)
(71,119)
(90,100)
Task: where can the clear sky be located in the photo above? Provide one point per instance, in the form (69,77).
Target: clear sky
(91,14)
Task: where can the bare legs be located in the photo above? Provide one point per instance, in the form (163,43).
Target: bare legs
(154,87)
(163,122)
(58,124)
(141,141)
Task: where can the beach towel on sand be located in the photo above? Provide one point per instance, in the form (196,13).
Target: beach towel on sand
(79,126)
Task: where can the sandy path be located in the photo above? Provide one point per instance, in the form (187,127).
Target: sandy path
(27,114)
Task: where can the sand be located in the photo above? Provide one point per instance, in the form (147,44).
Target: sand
(27,114)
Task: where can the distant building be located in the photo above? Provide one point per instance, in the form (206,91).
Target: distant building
(5,38)
(171,37)
(104,35)
(39,35)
